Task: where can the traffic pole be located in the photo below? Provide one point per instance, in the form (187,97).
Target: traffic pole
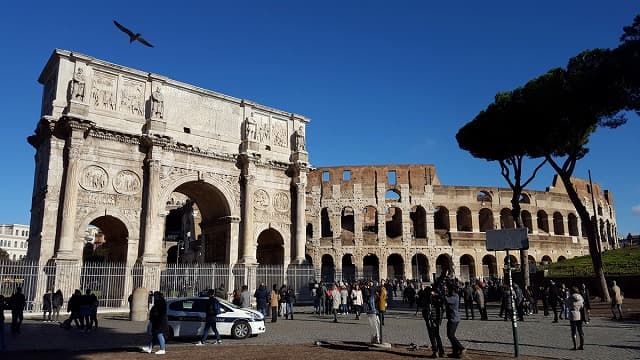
(514,322)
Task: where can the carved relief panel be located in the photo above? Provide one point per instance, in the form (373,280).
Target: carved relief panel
(271,208)
(103,91)
(94,178)
(127,182)
(279,132)
(132,97)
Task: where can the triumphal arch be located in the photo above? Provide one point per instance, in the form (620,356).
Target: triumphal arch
(114,146)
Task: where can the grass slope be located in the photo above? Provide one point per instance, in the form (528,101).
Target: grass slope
(623,261)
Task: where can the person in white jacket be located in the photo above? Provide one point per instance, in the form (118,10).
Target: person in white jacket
(356,299)
(575,304)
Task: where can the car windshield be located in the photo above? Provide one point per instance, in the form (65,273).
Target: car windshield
(227,304)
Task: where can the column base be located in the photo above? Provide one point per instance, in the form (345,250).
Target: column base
(66,256)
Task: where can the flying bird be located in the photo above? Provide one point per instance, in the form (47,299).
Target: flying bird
(132,37)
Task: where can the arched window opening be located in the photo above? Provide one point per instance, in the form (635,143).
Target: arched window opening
(526,220)
(486,220)
(325,223)
(392,195)
(441,218)
(558,223)
(309,231)
(420,267)
(418,222)
(443,263)
(467,268)
(393,222)
(371,267)
(543,221)
(463,219)
(395,267)
(573,224)
(506,219)
(484,197)
(348,268)
(327,269)
(546,260)
(524,199)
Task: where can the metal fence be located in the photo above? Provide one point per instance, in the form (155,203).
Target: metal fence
(114,282)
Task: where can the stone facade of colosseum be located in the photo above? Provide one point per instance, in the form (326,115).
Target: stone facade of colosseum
(399,221)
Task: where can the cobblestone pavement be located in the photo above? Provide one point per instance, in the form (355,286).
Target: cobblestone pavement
(605,339)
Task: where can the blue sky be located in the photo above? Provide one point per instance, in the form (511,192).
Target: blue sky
(383,82)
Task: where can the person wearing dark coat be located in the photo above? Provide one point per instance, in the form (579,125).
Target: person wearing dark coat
(262,296)
(432,314)
(47,305)
(210,322)
(58,301)
(158,323)
(3,306)
(73,307)
(18,303)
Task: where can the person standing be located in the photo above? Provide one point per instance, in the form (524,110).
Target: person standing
(281,303)
(432,314)
(356,299)
(158,323)
(47,305)
(382,302)
(58,301)
(554,300)
(262,297)
(478,296)
(245,298)
(18,303)
(274,300)
(452,303)
(467,296)
(575,303)
(289,300)
(616,300)
(374,320)
(211,313)
(3,306)
(335,302)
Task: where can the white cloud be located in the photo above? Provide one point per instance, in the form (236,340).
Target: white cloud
(635,210)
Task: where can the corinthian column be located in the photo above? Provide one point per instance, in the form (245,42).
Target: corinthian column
(301,203)
(70,201)
(248,246)
(152,243)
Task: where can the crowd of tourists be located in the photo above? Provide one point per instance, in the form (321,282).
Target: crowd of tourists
(444,298)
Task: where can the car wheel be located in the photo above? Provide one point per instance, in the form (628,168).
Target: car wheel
(241,330)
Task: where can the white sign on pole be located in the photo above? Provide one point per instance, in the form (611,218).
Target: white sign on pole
(507,239)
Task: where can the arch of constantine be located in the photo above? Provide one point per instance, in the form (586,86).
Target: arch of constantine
(163,172)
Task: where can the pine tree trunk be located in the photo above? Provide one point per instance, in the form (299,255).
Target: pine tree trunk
(596,257)
(516,212)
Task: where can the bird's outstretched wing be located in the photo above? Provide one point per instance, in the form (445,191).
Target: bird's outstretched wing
(145,42)
(124,29)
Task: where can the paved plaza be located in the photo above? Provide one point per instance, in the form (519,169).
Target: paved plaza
(605,339)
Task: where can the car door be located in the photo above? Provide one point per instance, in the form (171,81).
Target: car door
(225,319)
(192,317)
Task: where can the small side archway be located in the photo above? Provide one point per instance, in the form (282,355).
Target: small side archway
(371,267)
(327,269)
(395,267)
(270,250)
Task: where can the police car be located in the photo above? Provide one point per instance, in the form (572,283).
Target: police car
(187,316)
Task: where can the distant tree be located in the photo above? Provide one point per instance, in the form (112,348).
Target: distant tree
(4,256)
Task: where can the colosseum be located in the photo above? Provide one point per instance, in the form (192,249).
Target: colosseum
(399,221)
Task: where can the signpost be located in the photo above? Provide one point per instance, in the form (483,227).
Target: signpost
(509,239)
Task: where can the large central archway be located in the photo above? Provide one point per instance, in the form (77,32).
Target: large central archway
(270,248)
(198,226)
(371,267)
(420,267)
(395,267)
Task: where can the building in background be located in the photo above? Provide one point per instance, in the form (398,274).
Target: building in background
(14,240)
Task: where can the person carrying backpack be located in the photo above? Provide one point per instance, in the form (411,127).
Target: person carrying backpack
(211,312)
